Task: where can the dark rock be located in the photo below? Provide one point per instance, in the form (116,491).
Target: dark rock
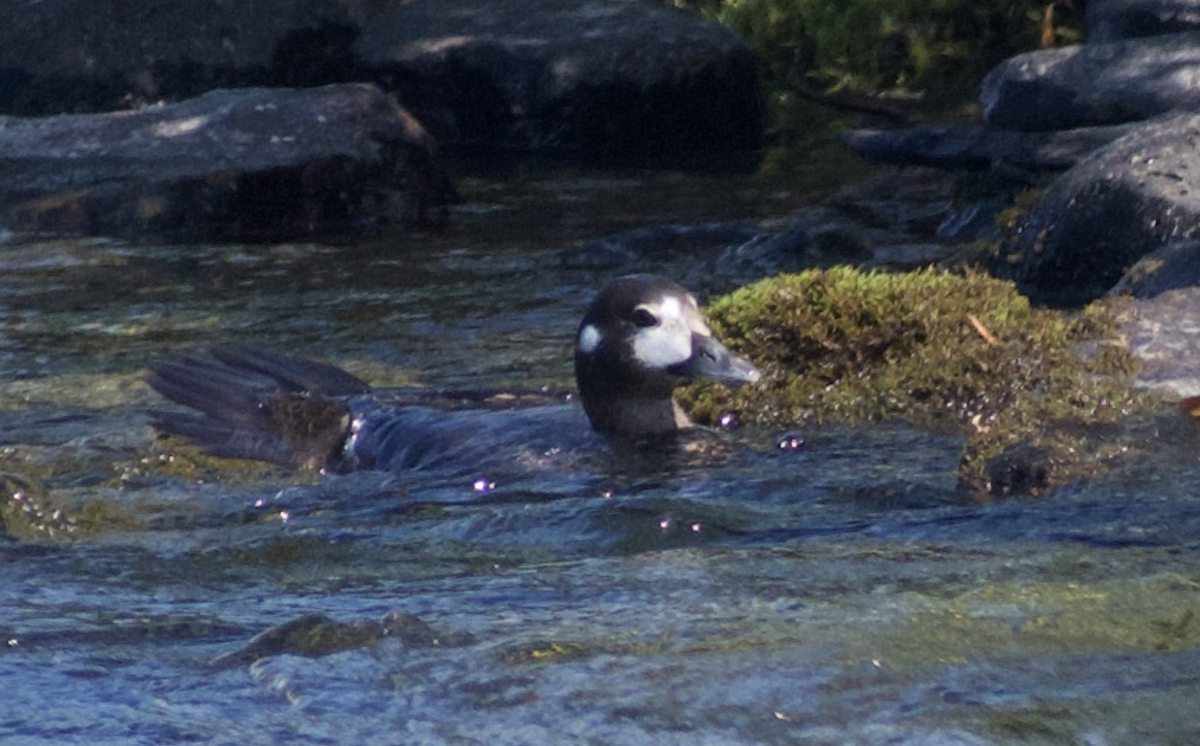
(1111,209)
(93,55)
(1094,84)
(608,78)
(1176,265)
(967,146)
(1020,469)
(1113,20)
(250,163)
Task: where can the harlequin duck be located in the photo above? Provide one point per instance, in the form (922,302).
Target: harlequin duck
(642,337)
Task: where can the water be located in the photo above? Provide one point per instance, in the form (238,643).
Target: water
(840,593)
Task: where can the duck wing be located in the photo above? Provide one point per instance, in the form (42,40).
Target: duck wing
(258,405)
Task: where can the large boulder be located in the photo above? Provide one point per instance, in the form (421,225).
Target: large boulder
(604,77)
(61,56)
(247,163)
(1118,204)
(1094,84)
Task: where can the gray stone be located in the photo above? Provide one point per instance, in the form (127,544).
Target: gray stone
(606,77)
(1164,333)
(247,163)
(1112,208)
(1094,84)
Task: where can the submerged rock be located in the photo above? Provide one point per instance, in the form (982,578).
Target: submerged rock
(250,163)
(316,635)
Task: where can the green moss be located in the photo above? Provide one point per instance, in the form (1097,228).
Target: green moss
(936,349)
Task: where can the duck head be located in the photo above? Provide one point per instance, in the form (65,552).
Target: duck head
(642,337)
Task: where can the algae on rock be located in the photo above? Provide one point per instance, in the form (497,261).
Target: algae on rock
(936,349)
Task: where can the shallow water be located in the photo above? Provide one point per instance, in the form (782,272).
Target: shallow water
(840,593)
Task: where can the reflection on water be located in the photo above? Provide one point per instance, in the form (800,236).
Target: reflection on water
(834,591)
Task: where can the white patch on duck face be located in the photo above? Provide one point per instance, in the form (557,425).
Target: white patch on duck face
(689,312)
(670,342)
(589,339)
(670,308)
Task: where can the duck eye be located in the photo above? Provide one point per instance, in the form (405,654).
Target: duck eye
(644,318)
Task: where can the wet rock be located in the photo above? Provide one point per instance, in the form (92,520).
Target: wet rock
(603,77)
(1113,20)
(1094,84)
(1020,469)
(93,55)
(1164,333)
(250,163)
(966,146)
(1110,210)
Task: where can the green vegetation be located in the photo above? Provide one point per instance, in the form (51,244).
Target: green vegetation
(938,350)
(940,47)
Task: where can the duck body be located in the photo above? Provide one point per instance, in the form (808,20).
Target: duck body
(642,337)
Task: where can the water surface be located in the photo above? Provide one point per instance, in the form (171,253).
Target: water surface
(844,592)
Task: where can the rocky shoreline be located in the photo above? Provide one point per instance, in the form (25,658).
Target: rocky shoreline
(1112,122)
(600,79)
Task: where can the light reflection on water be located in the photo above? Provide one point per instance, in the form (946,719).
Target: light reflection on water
(835,593)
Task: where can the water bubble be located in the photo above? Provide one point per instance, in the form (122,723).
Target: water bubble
(483,485)
(790,442)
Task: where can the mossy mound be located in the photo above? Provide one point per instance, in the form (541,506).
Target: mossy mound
(941,350)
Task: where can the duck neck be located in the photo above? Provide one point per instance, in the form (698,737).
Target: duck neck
(635,416)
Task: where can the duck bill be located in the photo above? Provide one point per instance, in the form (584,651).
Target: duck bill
(712,360)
